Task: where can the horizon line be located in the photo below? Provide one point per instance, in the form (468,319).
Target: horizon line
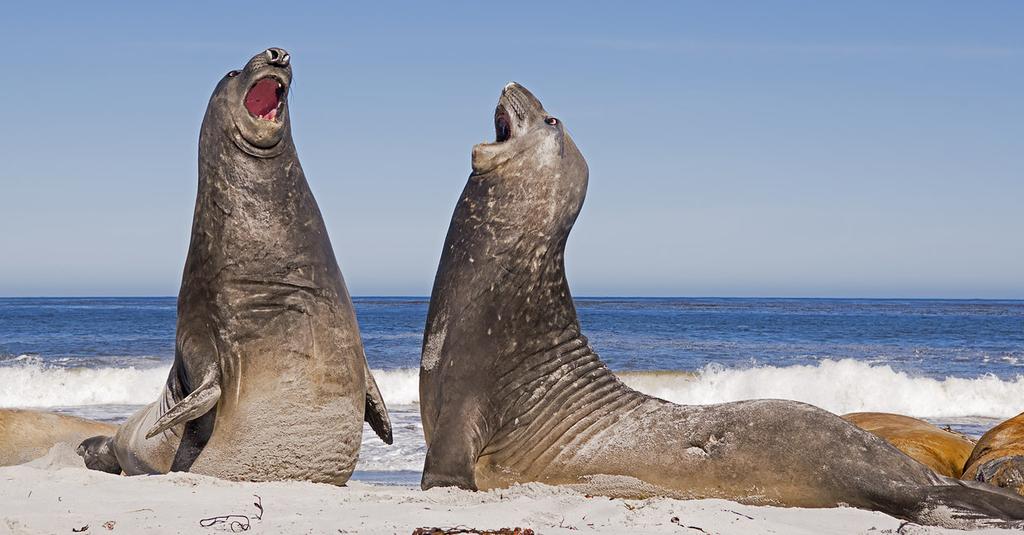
(427,297)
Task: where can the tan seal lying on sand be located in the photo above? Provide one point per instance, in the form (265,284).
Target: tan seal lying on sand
(511,391)
(998,458)
(943,451)
(26,435)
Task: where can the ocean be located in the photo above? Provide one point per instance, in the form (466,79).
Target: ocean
(954,362)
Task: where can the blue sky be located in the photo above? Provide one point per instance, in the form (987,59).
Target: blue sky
(755,149)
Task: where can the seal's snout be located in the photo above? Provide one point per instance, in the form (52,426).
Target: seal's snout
(261,94)
(278,57)
(265,99)
(503,126)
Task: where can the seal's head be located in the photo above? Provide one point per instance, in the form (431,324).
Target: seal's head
(250,105)
(1006,472)
(99,455)
(532,169)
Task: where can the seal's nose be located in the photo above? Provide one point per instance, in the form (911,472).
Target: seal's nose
(278,56)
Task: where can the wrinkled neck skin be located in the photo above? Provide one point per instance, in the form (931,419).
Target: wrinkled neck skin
(502,337)
(255,220)
(499,265)
(244,196)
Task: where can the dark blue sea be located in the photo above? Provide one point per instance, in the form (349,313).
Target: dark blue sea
(956,362)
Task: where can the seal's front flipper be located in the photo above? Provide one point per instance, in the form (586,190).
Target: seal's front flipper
(196,404)
(448,464)
(376,413)
(453,447)
(98,453)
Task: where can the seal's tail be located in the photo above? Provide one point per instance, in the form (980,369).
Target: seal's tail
(98,453)
(965,505)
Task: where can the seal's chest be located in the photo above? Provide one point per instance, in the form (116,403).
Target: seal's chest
(271,441)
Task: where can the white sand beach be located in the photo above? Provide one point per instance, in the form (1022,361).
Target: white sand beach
(57,494)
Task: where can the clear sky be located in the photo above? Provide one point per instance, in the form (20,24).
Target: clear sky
(755,149)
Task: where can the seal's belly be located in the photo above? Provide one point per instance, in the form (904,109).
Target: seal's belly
(292,399)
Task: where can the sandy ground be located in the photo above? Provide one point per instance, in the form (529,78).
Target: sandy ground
(56,494)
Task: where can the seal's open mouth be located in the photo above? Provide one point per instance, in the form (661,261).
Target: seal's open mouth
(264,99)
(502,125)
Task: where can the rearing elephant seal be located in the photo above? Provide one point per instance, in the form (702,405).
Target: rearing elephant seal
(511,392)
(998,458)
(269,379)
(939,449)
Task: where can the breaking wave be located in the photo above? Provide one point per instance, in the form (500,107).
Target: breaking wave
(29,382)
(840,386)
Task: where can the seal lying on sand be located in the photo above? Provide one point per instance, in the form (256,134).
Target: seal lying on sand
(998,458)
(27,435)
(511,392)
(943,451)
(269,379)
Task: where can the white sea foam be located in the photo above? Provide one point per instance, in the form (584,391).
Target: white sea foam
(32,383)
(839,386)
(27,381)
(398,386)
(408,451)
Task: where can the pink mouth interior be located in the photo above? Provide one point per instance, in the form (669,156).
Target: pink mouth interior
(263,99)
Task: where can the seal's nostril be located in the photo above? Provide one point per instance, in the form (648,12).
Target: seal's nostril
(278,56)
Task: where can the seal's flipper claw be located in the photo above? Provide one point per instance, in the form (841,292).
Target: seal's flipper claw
(196,404)
(376,413)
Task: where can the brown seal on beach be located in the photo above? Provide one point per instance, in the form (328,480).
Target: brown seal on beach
(26,435)
(511,391)
(269,380)
(943,451)
(998,458)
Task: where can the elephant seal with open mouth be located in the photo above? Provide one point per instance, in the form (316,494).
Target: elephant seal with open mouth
(511,392)
(269,380)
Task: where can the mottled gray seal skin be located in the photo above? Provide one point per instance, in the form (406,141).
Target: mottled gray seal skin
(269,380)
(511,392)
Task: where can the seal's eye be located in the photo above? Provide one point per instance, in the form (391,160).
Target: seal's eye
(232,74)
(551,121)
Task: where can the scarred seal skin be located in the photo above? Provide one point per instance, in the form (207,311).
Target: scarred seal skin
(511,391)
(998,458)
(944,451)
(269,380)
(26,435)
